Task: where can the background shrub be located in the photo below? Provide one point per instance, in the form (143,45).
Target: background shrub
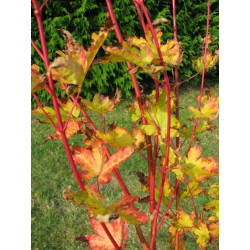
(82,17)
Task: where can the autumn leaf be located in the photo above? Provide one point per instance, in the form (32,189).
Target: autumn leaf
(64,112)
(171,239)
(195,190)
(74,62)
(37,79)
(157,118)
(198,169)
(184,221)
(101,104)
(100,240)
(72,129)
(214,206)
(202,234)
(201,127)
(143,52)
(120,138)
(214,191)
(213,229)
(93,160)
(92,200)
(210,62)
(209,110)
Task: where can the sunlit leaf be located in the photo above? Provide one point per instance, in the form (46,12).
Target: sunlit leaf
(92,200)
(120,138)
(171,239)
(94,162)
(209,110)
(214,191)
(143,53)
(195,190)
(210,63)
(73,64)
(101,104)
(100,240)
(201,127)
(184,221)
(214,206)
(198,169)
(202,234)
(37,79)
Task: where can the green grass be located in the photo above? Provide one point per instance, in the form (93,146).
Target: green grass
(56,222)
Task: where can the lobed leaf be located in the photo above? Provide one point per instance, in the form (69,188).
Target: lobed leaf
(210,62)
(73,64)
(37,79)
(100,241)
(209,110)
(93,160)
(101,104)
(120,138)
(93,201)
(202,233)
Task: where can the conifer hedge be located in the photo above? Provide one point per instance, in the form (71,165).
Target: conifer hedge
(82,17)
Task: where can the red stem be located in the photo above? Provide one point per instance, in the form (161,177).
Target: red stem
(37,50)
(53,95)
(203,75)
(110,236)
(136,88)
(41,7)
(169,120)
(41,107)
(195,210)
(66,123)
(169,204)
(140,16)
(55,104)
(176,79)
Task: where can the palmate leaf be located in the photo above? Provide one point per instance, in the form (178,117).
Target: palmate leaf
(214,206)
(93,160)
(92,200)
(37,79)
(184,221)
(210,63)
(64,111)
(201,127)
(72,129)
(198,169)
(120,138)
(209,110)
(73,64)
(195,190)
(171,239)
(143,53)
(101,104)
(156,116)
(100,241)
(202,233)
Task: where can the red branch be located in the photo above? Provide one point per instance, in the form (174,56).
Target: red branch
(37,50)
(169,120)
(41,107)
(203,75)
(70,113)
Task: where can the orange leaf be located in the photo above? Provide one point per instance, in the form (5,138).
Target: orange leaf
(100,241)
(93,160)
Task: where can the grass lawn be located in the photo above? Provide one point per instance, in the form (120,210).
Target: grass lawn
(56,222)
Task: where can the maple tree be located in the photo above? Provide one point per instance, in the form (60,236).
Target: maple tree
(156,123)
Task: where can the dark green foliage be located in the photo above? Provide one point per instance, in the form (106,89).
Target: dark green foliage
(82,17)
